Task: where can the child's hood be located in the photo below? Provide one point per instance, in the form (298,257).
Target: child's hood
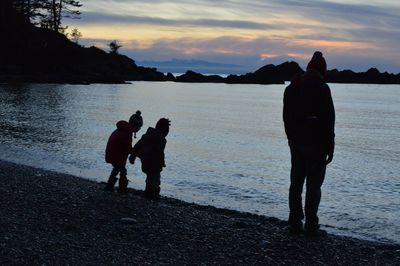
(154,134)
(124,126)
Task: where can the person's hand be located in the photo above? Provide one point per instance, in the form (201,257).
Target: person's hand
(132,159)
(329,158)
(329,153)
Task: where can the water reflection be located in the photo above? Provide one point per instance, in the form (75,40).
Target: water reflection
(226,146)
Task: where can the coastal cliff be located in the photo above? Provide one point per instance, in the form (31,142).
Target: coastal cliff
(32,54)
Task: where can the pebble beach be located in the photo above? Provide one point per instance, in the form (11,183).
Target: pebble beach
(48,218)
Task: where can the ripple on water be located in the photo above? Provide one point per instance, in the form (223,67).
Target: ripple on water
(226,147)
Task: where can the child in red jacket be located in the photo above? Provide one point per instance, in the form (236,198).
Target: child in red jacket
(119,146)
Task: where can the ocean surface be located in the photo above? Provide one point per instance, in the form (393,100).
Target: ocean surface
(226,146)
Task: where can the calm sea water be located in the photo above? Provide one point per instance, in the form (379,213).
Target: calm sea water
(226,147)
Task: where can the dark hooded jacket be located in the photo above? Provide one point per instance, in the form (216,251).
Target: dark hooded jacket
(150,150)
(119,145)
(308,111)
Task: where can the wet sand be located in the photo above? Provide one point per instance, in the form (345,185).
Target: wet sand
(47,218)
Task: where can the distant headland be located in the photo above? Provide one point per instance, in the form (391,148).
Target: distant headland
(32,54)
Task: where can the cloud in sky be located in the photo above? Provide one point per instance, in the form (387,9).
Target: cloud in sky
(93,18)
(351,34)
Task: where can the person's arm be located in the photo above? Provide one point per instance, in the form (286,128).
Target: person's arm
(163,154)
(329,124)
(287,113)
(135,151)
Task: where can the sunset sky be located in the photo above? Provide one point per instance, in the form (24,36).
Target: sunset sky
(352,34)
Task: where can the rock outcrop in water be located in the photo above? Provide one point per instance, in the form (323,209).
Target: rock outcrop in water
(191,76)
(271,74)
(372,76)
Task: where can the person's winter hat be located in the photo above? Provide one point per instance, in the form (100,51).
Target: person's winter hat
(163,125)
(137,121)
(318,63)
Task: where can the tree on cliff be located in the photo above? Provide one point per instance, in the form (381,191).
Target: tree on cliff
(75,35)
(58,9)
(31,10)
(47,13)
(114,47)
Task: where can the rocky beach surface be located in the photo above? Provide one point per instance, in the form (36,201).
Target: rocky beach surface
(49,218)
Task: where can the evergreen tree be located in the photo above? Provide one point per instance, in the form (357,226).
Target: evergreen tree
(31,10)
(58,9)
(75,35)
(47,13)
(114,47)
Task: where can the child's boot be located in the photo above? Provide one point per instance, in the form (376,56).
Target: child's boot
(111,183)
(123,184)
(147,192)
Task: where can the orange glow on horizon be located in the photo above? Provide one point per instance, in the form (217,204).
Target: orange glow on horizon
(186,40)
(299,56)
(265,56)
(324,44)
(192,51)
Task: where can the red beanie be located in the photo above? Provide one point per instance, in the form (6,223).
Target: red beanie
(318,63)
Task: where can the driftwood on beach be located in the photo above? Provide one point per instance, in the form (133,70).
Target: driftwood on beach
(49,218)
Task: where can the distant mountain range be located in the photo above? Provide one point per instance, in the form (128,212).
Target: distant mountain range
(200,66)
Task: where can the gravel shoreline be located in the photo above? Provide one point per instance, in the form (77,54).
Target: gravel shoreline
(49,218)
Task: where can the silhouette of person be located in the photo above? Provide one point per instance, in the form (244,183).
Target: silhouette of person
(119,146)
(150,149)
(309,119)
(136,119)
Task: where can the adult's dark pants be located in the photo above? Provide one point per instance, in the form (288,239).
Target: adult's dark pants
(308,165)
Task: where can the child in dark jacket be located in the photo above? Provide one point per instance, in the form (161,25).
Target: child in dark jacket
(119,146)
(150,150)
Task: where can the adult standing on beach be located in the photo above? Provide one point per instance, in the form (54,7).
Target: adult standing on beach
(309,118)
